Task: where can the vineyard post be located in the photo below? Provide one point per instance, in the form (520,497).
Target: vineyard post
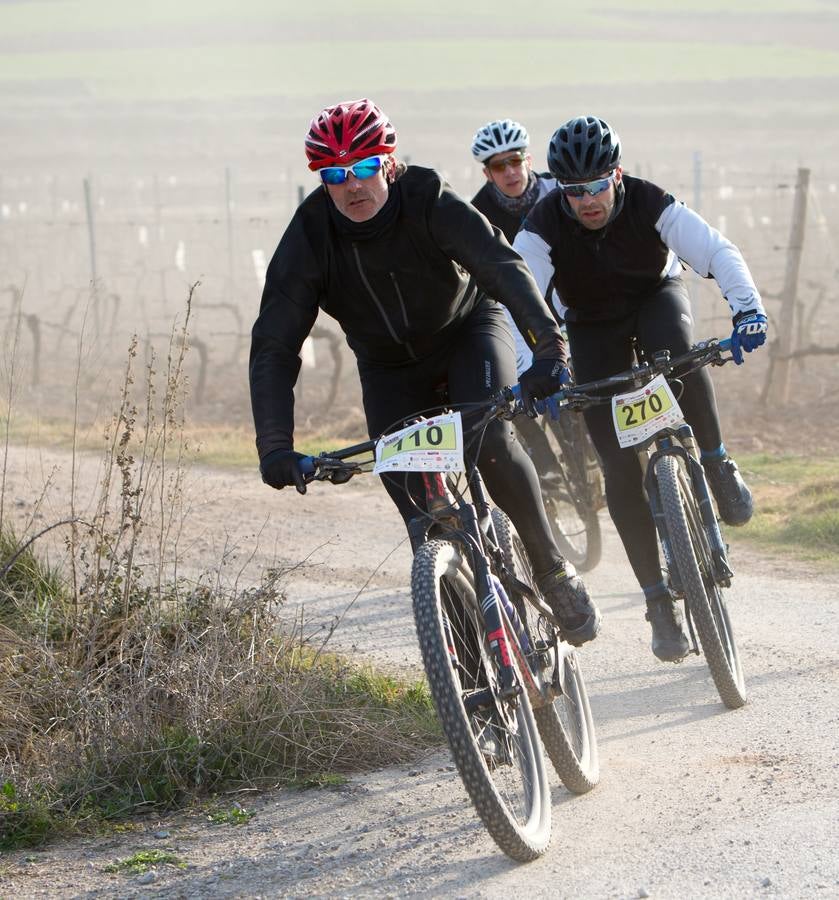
(786,316)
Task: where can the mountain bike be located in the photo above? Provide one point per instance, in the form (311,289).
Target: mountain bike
(649,419)
(498,672)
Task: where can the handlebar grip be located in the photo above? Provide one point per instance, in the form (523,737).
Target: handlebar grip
(549,405)
(307,466)
(725,344)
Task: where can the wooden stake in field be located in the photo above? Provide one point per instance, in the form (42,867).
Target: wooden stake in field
(91,233)
(786,317)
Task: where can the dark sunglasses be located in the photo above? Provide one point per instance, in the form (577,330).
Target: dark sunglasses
(589,187)
(364,168)
(514,162)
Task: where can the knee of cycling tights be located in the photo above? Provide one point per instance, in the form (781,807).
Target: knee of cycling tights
(499,446)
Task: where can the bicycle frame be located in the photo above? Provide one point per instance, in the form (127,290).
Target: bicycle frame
(673,440)
(453,517)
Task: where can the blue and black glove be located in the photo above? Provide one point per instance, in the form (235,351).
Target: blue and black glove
(543,378)
(281,468)
(749,333)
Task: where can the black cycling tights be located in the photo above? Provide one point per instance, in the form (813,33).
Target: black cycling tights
(662,322)
(477,363)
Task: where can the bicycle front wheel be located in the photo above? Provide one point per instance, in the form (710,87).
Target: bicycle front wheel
(565,723)
(568,494)
(494,742)
(693,561)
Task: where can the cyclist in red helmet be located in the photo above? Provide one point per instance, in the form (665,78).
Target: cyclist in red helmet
(408,268)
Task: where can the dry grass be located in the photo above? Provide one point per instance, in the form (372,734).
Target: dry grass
(126,687)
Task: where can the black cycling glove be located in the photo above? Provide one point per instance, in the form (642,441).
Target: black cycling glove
(281,468)
(543,378)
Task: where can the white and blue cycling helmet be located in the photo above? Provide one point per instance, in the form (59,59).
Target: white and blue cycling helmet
(499,137)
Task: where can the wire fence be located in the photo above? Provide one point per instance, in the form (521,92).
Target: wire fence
(113,256)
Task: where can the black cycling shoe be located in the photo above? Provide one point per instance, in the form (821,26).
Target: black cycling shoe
(575,614)
(670,643)
(734,499)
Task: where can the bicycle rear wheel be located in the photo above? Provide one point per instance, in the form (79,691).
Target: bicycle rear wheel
(692,557)
(568,492)
(494,742)
(565,724)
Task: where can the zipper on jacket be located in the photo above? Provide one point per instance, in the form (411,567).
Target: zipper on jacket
(379,305)
(399,297)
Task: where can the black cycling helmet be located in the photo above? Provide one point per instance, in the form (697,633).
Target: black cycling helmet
(582,149)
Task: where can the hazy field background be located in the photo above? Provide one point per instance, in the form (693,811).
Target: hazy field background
(186,120)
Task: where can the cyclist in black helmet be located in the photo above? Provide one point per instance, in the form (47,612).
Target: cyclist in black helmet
(612,245)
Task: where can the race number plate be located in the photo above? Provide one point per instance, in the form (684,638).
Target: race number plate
(640,414)
(433,445)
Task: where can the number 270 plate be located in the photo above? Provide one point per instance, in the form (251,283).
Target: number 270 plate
(639,414)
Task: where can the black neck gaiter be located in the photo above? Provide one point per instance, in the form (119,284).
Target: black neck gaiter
(363,231)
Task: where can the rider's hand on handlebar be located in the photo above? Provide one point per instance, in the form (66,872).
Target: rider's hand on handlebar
(281,468)
(543,378)
(749,333)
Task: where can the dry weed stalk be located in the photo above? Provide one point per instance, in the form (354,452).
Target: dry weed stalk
(126,686)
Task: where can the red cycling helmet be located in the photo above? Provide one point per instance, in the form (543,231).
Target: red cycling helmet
(349,129)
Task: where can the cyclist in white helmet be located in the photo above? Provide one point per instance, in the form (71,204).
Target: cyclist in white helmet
(512,189)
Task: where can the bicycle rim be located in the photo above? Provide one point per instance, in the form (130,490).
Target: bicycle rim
(691,556)
(565,724)
(494,743)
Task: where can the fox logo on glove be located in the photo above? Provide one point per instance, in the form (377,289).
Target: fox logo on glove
(749,334)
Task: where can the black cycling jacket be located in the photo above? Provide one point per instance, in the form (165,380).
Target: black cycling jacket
(508,221)
(399,285)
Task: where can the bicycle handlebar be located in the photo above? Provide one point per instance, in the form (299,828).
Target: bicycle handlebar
(704,353)
(506,403)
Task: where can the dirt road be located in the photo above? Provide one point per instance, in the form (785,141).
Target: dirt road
(694,801)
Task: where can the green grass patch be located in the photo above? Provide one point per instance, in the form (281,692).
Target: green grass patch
(796,505)
(92,17)
(321,780)
(28,590)
(23,822)
(236,815)
(227,71)
(143,860)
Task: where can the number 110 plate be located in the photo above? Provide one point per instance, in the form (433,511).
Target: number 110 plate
(432,445)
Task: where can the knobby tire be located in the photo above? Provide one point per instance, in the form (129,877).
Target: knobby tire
(566,724)
(509,789)
(692,558)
